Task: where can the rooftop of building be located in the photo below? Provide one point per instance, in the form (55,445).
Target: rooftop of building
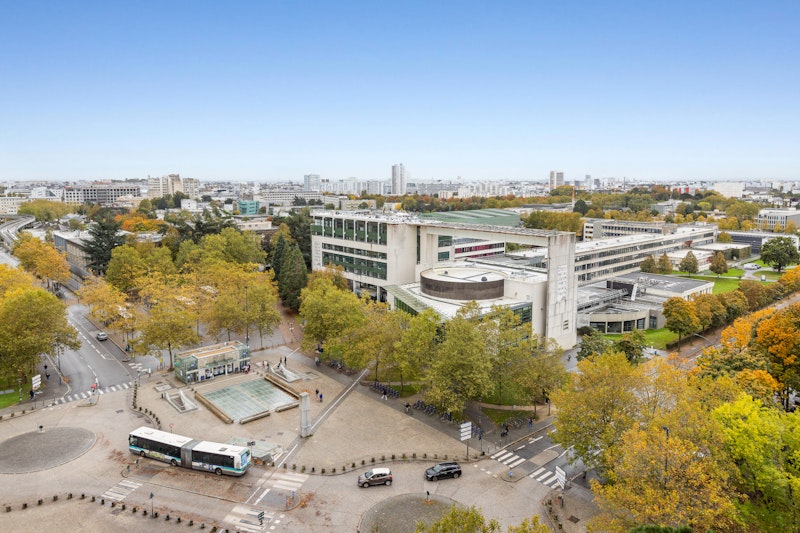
(673,284)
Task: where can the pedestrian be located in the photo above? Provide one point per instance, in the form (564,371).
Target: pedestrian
(530,422)
(316,394)
(31,394)
(47,376)
(383,396)
(320,397)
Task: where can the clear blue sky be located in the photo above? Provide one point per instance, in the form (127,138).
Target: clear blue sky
(482,90)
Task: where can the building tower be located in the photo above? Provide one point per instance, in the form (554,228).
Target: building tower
(556,179)
(399,179)
(311,183)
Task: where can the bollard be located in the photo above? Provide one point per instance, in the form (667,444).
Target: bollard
(69,496)
(93,498)
(55,498)
(39,502)
(102,501)
(24,505)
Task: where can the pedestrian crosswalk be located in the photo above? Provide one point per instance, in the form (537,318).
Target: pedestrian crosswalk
(84,395)
(249,518)
(122,489)
(545,477)
(510,459)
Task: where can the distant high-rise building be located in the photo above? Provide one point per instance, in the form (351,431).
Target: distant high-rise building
(556,179)
(399,179)
(311,182)
(170,184)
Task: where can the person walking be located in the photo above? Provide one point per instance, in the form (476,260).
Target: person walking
(320,397)
(316,394)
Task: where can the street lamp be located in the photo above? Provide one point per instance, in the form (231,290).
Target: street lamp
(666,456)
(246,319)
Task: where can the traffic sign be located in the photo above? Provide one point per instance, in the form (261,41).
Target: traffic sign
(36,382)
(561,476)
(466,430)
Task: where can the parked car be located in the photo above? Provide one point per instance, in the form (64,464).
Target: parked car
(102,336)
(752,266)
(443,470)
(376,476)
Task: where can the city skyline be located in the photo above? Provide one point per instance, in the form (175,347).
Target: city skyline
(265,91)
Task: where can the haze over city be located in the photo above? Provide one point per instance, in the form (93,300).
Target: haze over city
(272,91)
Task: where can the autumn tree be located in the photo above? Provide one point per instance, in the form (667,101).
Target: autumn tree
(596,408)
(689,263)
(724,237)
(45,210)
(778,336)
(681,317)
(32,321)
(372,341)
(649,265)
(168,326)
(779,252)
(103,299)
(125,268)
(664,265)
(41,259)
(461,520)
(262,301)
(540,373)
(719,265)
(632,344)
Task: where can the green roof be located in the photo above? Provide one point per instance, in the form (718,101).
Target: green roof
(494,217)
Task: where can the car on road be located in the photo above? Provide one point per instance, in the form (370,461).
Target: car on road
(752,266)
(102,336)
(376,476)
(443,470)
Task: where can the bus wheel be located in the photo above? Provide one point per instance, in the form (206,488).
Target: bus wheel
(141,453)
(174,462)
(218,471)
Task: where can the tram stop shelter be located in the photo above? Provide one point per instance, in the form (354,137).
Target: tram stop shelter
(200,364)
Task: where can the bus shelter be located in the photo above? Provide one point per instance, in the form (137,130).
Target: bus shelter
(206,362)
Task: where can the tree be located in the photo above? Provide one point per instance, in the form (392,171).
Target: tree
(507,342)
(632,344)
(724,237)
(103,238)
(580,207)
(689,263)
(32,321)
(791,228)
(593,343)
(169,326)
(539,374)
(327,311)
(125,268)
(460,370)
(596,407)
(292,278)
(719,265)
(414,350)
(461,520)
(277,254)
(681,317)
(45,210)
(779,252)
(373,339)
(41,259)
(107,304)
(262,298)
(649,265)
(664,265)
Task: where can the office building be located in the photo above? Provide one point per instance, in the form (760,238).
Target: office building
(311,183)
(399,179)
(170,184)
(556,179)
(768,219)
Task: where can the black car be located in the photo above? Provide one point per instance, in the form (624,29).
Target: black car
(443,470)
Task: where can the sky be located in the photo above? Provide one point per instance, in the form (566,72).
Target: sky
(266,91)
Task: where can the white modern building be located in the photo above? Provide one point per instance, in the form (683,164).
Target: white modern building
(407,261)
(311,182)
(556,179)
(170,184)
(769,218)
(399,179)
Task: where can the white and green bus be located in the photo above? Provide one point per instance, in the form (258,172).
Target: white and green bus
(189,453)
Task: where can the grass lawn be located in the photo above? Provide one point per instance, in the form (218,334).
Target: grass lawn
(499,416)
(9,398)
(657,338)
(720,284)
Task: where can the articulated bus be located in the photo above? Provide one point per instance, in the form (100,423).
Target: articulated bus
(189,453)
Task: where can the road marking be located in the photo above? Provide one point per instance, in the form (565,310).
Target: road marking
(537,472)
(517,463)
(261,497)
(534,440)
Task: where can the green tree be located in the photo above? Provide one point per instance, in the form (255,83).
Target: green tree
(460,520)
(103,238)
(293,277)
(580,207)
(277,255)
(632,344)
(413,352)
(664,265)
(719,265)
(262,299)
(649,265)
(373,340)
(689,263)
(327,311)
(681,317)
(45,210)
(593,343)
(539,374)
(780,252)
(507,343)
(460,370)
(169,326)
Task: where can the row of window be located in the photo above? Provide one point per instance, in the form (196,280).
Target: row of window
(479,247)
(354,251)
(154,446)
(354,230)
(353,265)
(213,459)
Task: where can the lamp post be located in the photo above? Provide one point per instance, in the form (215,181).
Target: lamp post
(246,319)
(666,456)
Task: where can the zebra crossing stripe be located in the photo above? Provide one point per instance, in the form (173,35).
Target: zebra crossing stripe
(503,456)
(518,462)
(547,482)
(543,476)
(537,472)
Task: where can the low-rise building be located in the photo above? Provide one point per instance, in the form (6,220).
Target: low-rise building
(206,362)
